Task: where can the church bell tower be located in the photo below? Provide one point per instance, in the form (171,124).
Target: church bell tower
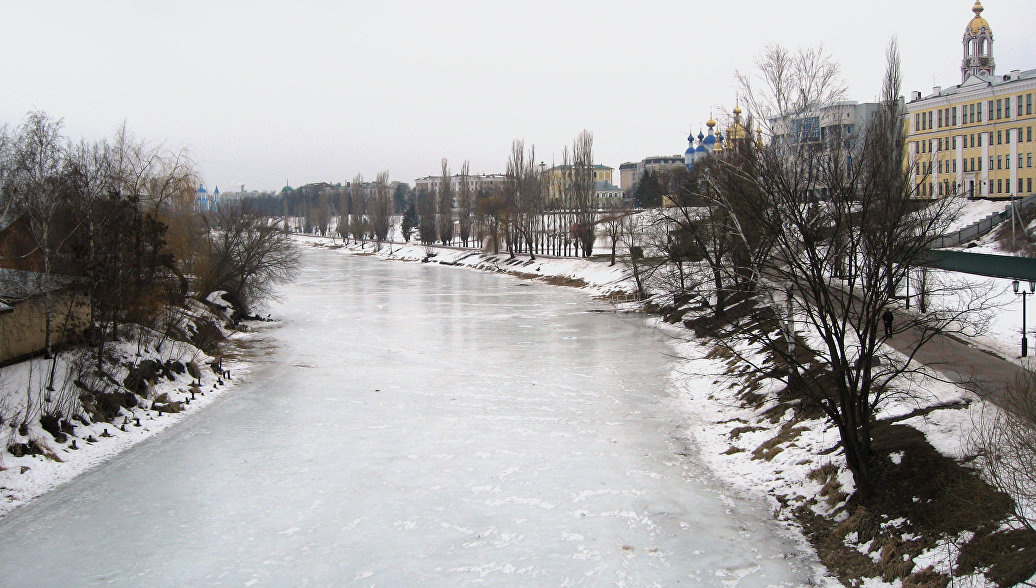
(978,46)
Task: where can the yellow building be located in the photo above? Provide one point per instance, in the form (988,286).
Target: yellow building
(975,138)
(560,177)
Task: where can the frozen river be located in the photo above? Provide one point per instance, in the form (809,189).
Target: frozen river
(415,425)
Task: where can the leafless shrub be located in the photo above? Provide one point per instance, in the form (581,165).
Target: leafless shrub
(1006,445)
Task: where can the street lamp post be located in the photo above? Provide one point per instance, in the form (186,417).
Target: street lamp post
(1017,290)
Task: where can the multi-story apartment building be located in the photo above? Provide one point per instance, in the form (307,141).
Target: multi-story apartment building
(975,138)
(478,182)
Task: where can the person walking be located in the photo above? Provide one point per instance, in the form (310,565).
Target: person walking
(886,317)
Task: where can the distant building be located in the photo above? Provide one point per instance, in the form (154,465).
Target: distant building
(487,182)
(560,177)
(844,119)
(607,194)
(630,173)
(975,138)
(204,201)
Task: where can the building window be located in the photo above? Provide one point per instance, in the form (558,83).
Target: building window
(1028,135)
(979,160)
(1028,185)
(990,110)
(972,139)
(999,137)
(1028,160)
(990,164)
(978,111)
(971,113)
(1028,104)
(929,119)
(1007,108)
(939,166)
(1020,161)
(1021,111)
(954,111)
(999,187)
(999,163)
(939,120)
(1019,185)
(999,108)
(954,166)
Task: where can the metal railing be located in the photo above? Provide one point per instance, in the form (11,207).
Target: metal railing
(982,227)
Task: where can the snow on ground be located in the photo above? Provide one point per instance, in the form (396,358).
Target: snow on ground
(973,211)
(1003,333)
(26,477)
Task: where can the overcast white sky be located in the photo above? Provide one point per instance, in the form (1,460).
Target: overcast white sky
(262,92)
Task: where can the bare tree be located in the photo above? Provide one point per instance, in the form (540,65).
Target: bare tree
(322,212)
(358,209)
(343,213)
(246,256)
(614,212)
(1005,441)
(633,238)
(381,207)
(426,216)
(525,197)
(465,204)
(495,214)
(33,188)
(581,191)
(841,257)
(444,205)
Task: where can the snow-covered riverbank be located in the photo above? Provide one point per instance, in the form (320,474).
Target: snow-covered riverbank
(48,462)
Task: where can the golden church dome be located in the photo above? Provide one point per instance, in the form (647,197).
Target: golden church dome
(978,23)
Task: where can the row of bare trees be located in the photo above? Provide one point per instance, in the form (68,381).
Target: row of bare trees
(113,222)
(536,210)
(812,231)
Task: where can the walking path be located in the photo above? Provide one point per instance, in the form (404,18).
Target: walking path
(975,368)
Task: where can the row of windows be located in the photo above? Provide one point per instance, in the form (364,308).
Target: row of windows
(974,164)
(972,113)
(974,140)
(945,188)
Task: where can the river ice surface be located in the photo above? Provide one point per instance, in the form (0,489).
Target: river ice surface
(416,425)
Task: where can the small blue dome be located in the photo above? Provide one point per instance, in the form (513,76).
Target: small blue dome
(710,140)
(701,135)
(201,189)
(690,149)
(701,149)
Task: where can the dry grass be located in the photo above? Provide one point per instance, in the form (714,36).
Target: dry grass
(935,496)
